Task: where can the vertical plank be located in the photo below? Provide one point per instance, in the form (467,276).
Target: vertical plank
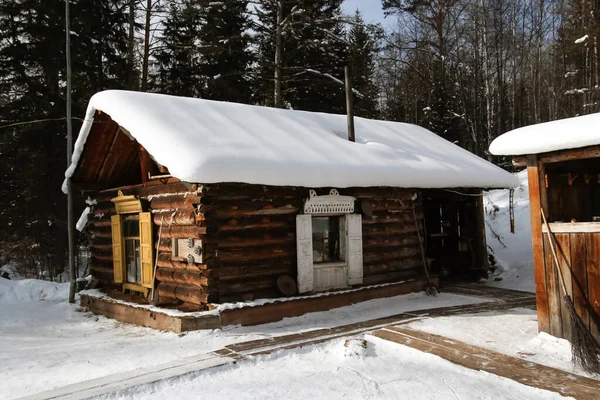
(480,243)
(554,301)
(538,247)
(563,250)
(579,276)
(592,244)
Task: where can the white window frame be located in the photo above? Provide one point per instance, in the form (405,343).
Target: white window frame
(339,274)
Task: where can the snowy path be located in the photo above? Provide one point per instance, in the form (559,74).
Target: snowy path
(480,359)
(183,366)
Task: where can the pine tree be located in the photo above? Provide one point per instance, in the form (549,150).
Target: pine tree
(313,54)
(33,146)
(178,61)
(363,48)
(226,55)
(577,54)
(441,114)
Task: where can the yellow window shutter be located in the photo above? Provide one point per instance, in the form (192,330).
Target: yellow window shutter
(146,249)
(117,248)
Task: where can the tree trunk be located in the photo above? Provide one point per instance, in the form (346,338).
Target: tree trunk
(130,49)
(278,100)
(146,46)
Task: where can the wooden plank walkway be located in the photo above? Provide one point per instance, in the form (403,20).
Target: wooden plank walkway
(477,358)
(498,300)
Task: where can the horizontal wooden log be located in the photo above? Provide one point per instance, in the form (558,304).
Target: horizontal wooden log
(254,271)
(164,261)
(102,269)
(388,230)
(164,246)
(409,239)
(238,225)
(175,202)
(255,294)
(104,234)
(103,259)
(229,191)
(414,263)
(259,257)
(183,232)
(104,211)
(105,278)
(391,277)
(250,209)
(174,218)
(101,247)
(238,242)
(247,286)
(152,188)
(265,233)
(99,222)
(184,293)
(187,277)
(383,257)
(392,219)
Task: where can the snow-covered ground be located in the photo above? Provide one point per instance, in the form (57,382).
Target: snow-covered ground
(330,371)
(512,251)
(49,343)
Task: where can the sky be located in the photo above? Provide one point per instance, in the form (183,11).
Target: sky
(371,9)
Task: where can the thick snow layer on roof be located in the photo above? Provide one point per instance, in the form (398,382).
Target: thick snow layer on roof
(208,141)
(570,133)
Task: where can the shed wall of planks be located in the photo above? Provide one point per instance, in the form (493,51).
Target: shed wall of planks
(577,246)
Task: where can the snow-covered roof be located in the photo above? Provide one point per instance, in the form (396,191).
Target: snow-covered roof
(209,141)
(569,133)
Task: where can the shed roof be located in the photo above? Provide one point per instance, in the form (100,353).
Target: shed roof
(207,141)
(569,133)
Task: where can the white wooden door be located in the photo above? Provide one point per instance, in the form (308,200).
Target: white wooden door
(354,249)
(304,248)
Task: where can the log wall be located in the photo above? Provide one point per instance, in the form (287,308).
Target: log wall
(175,206)
(251,236)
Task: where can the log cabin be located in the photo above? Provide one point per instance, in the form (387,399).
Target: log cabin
(196,202)
(563,168)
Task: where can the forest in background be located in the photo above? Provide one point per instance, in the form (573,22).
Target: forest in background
(469,70)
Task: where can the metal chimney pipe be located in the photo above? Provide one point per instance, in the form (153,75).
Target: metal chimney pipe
(349,105)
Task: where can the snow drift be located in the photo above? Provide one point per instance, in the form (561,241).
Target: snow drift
(26,290)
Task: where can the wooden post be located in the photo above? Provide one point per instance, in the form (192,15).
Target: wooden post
(533,175)
(349,105)
(70,222)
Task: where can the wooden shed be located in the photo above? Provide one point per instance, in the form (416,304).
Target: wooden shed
(563,164)
(197,202)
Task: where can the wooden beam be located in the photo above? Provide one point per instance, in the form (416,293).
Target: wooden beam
(573,227)
(559,156)
(537,242)
(569,155)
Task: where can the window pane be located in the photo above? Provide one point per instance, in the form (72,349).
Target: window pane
(326,239)
(132,261)
(132,227)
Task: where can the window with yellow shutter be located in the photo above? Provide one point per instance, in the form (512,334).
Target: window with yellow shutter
(132,243)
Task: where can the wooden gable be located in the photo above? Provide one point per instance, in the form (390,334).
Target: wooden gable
(110,158)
